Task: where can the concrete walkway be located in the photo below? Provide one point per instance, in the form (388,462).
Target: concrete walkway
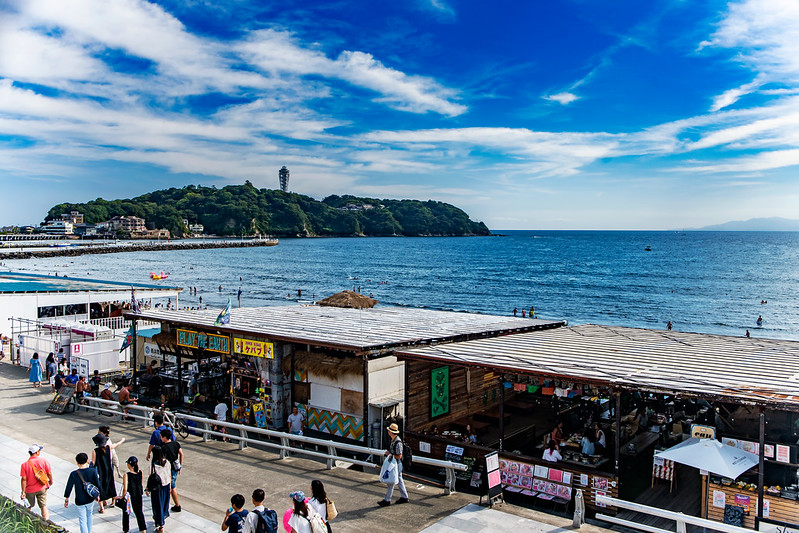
(16,453)
(477,519)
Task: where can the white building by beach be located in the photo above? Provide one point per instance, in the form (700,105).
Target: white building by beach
(46,313)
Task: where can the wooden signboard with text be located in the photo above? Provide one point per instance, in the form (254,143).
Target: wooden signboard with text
(61,400)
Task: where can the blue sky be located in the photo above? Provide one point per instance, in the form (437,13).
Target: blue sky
(528,115)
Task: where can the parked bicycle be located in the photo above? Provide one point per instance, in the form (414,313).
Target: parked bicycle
(175,421)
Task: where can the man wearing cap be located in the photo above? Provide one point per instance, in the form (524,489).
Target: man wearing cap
(31,473)
(395,450)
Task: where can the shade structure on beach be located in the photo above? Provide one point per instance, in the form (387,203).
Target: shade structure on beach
(351,299)
(711,455)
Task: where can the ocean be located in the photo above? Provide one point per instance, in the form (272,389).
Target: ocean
(711,282)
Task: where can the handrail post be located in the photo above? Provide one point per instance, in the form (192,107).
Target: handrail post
(284,441)
(243,439)
(449,483)
(331,451)
(206,429)
(680,526)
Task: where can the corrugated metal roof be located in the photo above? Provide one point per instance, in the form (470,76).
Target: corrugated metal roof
(757,370)
(18,282)
(352,329)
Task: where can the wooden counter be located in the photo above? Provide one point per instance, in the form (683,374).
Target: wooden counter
(781,509)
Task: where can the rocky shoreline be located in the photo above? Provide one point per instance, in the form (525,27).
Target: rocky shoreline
(74,251)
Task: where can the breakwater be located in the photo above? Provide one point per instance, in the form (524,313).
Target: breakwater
(74,251)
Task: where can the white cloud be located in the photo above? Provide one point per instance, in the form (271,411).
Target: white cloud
(563,98)
(729,97)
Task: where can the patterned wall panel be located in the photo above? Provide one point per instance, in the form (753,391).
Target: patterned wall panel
(335,423)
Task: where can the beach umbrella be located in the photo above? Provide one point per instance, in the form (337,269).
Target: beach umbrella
(711,455)
(349,299)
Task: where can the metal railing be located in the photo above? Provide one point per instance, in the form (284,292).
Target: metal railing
(243,436)
(680,518)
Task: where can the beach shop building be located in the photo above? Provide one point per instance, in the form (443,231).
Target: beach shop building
(335,364)
(40,313)
(645,390)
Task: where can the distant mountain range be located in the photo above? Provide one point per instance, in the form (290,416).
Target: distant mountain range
(755,224)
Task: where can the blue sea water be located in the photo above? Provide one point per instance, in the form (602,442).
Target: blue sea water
(709,282)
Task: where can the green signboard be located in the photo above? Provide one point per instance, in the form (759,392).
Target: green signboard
(439,391)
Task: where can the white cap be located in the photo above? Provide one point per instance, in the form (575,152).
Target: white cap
(35,448)
(107,386)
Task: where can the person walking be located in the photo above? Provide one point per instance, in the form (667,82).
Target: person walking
(52,369)
(319,501)
(296,423)
(77,480)
(300,521)
(395,451)
(155,438)
(133,488)
(36,476)
(159,496)
(220,414)
(101,459)
(105,430)
(173,454)
(35,370)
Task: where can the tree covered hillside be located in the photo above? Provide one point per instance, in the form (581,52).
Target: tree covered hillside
(245,210)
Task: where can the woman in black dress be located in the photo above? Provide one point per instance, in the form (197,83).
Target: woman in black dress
(101,457)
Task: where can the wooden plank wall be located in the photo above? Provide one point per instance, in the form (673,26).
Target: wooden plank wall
(781,509)
(482,392)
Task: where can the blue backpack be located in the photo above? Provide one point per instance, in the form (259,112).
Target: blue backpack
(267,521)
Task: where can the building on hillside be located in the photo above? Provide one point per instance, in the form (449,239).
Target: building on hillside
(58,227)
(85,230)
(75,217)
(283,174)
(130,224)
(197,229)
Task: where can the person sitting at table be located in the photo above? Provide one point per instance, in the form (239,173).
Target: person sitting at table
(557,433)
(552,454)
(471,436)
(599,438)
(434,430)
(587,444)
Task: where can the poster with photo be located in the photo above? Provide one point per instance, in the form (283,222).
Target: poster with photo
(600,483)
(719,499)
(742,501)
(567,478)
(539,484)
(584,479)
(766,508)
(526,482)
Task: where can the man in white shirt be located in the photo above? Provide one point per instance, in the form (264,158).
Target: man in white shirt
(296,423)
(250,523)
(220,414)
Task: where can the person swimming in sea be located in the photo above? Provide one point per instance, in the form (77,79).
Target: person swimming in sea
(759,320)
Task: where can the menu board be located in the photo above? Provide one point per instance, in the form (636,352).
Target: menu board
(545,482)
(61,400)
(493,476)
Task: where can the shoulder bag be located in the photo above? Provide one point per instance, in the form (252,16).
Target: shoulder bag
(153,480)
(40,475)
(90,488)
(332,512)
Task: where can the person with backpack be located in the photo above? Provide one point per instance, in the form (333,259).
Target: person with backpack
(174,454)
(304,519)
(260,519)
(158,487)
(236,515)
(85,482)
(132,486)
(395,451)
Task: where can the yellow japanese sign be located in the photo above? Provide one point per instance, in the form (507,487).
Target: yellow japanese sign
(253,348)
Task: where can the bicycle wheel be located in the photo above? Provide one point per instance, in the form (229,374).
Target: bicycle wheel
(181,427)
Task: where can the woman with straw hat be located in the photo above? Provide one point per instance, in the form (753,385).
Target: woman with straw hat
(395,451)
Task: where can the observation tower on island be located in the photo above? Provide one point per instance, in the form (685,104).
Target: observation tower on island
(283,174)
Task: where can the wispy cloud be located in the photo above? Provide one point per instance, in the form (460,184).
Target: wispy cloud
(564,98)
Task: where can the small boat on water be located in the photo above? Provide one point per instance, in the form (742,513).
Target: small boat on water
(155,276)
(648,248)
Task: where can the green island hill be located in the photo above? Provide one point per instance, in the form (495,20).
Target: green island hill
(246,210)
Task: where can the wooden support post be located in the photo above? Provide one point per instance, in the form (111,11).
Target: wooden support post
(761,473)
(617,443)
(501,412)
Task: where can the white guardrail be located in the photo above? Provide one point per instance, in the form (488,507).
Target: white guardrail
(680,518)
(242,435)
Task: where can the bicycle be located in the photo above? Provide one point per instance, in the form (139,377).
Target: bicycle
(176,422)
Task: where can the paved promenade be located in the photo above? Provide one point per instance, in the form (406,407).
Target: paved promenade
(213,471)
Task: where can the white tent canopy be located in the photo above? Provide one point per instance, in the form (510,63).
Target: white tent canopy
(711,455)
